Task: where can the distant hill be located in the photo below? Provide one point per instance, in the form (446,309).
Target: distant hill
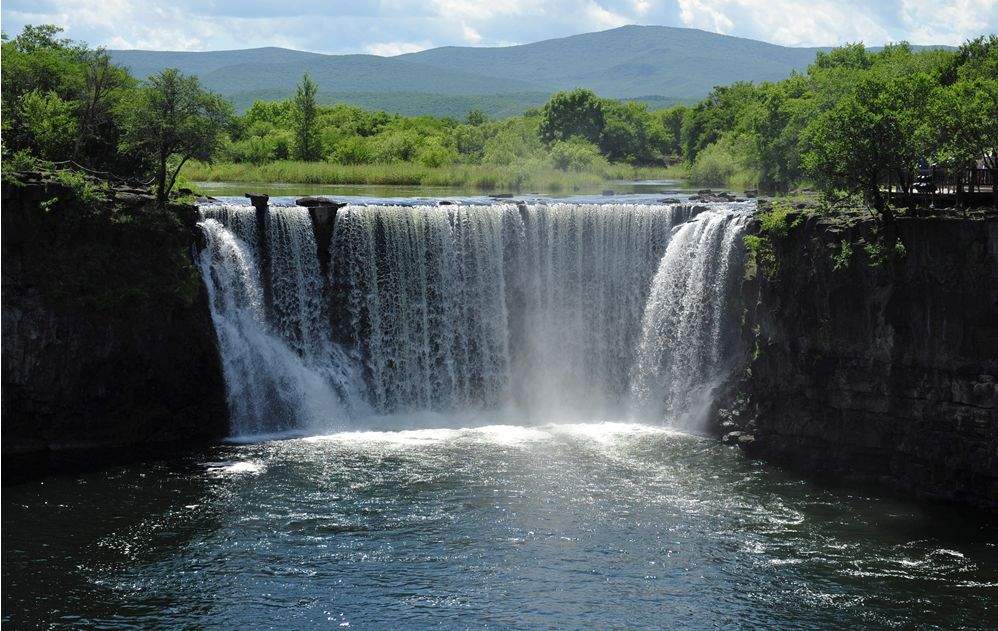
(656,64)
(629,61)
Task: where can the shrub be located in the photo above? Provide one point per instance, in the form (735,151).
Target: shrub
(575,154)
(434,154)
(842,256)
(51,122)
(723,163)
(353,150)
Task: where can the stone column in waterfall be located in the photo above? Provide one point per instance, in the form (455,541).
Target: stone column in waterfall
(261,204)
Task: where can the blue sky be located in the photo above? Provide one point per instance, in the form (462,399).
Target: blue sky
(388,27)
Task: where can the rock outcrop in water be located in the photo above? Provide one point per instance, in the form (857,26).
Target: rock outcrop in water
(107,339)
(879,372)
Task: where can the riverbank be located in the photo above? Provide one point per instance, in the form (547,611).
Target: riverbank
(487,178)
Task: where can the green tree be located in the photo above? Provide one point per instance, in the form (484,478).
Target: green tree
(51,123)
(303,117)
(966,115)
(477,117)
(631,134)
(724,109)
(877,132)
(104,85)
(578,113)
(672,121)
(172,120)
(784,110)
(39,63)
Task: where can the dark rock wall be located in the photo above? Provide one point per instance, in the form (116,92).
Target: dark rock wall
(108,342)
(885,373)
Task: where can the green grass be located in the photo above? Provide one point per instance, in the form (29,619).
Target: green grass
(517,177)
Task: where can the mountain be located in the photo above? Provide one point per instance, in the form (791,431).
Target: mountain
(659,65)
(629,61)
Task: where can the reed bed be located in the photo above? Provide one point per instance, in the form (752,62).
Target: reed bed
(483,177)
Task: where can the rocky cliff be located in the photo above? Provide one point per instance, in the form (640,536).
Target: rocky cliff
(107,338)
(873,353)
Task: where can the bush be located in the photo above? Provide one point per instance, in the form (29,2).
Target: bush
(353,150)
(723,163)
(575,154)
(51,122)
(396,146)
(434,154)
(255,149)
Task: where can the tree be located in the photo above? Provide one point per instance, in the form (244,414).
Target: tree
(631,134)
(477,117)
(60,101)
(97,129)
(569,114)
(878,131)
(785,108)
(172,120)
(724,109)
(672,121)
(303,120)
(966,115)
(41,73)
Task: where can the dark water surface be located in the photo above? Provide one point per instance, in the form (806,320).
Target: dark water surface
(569,526)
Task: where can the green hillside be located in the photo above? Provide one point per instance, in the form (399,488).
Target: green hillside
(655,64)
(629,61)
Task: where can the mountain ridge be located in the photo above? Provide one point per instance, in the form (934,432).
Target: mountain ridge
(657,64)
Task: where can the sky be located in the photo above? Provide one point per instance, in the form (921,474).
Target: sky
(391,27)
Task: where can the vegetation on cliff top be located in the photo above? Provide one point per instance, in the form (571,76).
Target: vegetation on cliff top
(71,107)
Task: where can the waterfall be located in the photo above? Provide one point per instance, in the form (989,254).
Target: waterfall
(543,310)
(536,306)
(281,369)
(583,271)
(424,302)
(688,330)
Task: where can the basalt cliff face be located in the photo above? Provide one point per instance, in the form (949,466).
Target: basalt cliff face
(108,342)
(877,362)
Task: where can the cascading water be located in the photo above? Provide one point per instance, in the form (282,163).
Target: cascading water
(582,273)
(583,310)
(425,302)
(281,369)
(687,331)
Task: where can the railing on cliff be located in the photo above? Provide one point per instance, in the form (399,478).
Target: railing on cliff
(934,186)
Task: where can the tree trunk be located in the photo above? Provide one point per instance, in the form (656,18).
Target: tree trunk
(161,180)
(176,172)
(882,208)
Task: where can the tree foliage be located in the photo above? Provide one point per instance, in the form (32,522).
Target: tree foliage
(70,105)
(855,121)
(170,121)
(303,120)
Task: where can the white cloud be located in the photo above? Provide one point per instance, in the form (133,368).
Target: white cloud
(786,22)
(604,18)
(470,35)
(641,7)
(704,15)
(393,26)
(957,20)
(390,49)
